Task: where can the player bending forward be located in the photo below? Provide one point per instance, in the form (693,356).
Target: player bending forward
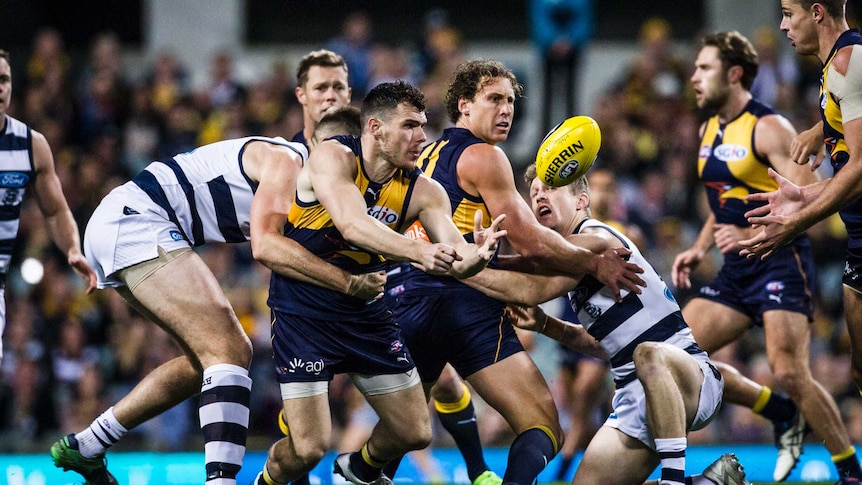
(665,384)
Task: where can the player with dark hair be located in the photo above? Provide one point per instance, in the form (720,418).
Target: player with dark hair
(26,161)
(322,85)
(345,120)
(739,144)
(354,197)
(820,29)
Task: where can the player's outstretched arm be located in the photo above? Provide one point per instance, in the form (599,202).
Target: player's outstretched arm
(331,170)
(486,170)
(276,169)
(52,203)
(777,217)
(476,256)
(569,334)
(520,288)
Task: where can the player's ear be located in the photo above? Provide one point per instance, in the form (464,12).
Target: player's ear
(734,73)
(583,201)
(463,106)
(374,126)
(300,94)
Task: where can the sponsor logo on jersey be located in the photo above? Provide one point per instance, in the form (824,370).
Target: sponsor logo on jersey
(727,152)
(14,180)
(416,231)
(592,310)
(705,151)
(383,214)
(176,235)
(396,346)
(668,294)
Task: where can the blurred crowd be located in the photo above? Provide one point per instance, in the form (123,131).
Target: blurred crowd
(69,355)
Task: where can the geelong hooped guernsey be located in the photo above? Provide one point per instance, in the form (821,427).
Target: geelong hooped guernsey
(833,135)
(652,316)
(16,173)
(206,191)
(310,225)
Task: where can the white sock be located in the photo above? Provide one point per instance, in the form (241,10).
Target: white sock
(223,413)
(671,451)
(102,433)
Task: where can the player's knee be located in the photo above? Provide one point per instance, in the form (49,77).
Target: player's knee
(235,350)
(649,360)
(415,437)
(447,391)
(793,377)
(308,453)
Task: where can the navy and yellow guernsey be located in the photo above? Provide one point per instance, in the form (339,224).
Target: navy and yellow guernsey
(833,137)
(730,167)
(439,160)
(310,225)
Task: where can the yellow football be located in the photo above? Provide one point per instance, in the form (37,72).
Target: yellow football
(568,151)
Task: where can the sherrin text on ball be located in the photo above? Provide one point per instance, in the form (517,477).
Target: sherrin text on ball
(568,151)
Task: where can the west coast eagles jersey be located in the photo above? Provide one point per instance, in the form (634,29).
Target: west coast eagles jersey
(439,160)
(729,166)
(310,225)
(652,316)
(833,133)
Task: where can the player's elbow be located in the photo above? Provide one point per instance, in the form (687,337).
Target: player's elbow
(531,249)
(262,250)
(351,231)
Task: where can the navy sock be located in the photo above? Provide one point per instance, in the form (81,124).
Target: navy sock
(529,455)
(778,408)
(392,467)
(362,468)
(849,467)
(464,430)
(303,480)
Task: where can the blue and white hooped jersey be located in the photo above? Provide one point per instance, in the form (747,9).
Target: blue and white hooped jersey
(16,173)
(652,316)
(206,191)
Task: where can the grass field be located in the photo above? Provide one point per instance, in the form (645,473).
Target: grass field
(443,468)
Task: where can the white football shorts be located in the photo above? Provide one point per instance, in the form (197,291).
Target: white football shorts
(629,405)
(127,228)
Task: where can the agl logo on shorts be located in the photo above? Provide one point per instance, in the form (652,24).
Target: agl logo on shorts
(311,367)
